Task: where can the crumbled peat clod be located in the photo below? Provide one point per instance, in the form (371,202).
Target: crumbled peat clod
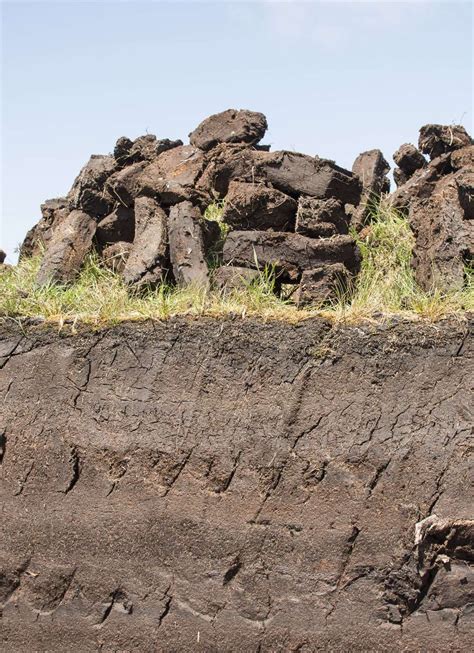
(435,140)
(409,159)
(115,227)
(371,169)
(143,148)
(320,218)
(290,254)
(230,126)
(438,197)
(148,260)
(322,285)
(186,241)
(87,192)
(256,206)
(70,243)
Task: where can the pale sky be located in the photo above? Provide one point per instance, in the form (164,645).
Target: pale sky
(333,78)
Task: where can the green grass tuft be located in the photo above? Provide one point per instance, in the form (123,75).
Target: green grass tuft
(386,282)
(213,213)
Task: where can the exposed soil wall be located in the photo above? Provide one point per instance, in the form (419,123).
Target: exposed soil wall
(228,485)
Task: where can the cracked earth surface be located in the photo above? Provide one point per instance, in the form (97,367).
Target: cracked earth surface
(229,485)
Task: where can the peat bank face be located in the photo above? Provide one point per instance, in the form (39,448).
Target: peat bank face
(233,485)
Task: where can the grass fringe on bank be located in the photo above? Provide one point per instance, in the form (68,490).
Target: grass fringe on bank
(384,287)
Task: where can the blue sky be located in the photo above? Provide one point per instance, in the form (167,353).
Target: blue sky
(333,79)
